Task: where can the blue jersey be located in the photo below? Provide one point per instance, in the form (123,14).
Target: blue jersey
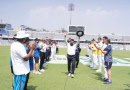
(37,51)
(31,63)
(30,59)
(77,51)
(108,55)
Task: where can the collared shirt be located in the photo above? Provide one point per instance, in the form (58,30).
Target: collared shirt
(43,49)
(18,53)
(71,49)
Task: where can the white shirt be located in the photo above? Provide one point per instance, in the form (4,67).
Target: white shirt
(18,53)
(71,49)
(53,48)
(43,49)
(100,45)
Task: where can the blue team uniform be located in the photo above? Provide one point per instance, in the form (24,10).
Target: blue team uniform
(37,51)
(30,59)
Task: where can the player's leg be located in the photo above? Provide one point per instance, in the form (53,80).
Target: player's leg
(108,67)
(94,61)
(73,66)
(69,64)
(99,63)
(19,82)
(105,71)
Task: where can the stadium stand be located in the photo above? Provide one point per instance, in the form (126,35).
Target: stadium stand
(118,42)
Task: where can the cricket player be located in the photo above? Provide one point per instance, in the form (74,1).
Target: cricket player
(94,54)
(20,60)
(71,50)
(108,59)
(99,45)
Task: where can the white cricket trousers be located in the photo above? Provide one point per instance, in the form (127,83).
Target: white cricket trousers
(103,65)
(94,61)
(100,62)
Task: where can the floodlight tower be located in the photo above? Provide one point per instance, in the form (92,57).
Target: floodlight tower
(71,9)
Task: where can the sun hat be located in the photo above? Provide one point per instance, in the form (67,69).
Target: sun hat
(21,34)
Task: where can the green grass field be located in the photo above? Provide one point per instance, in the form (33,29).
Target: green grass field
(55,77)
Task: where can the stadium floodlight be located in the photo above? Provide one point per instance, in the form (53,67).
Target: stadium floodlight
(71,9)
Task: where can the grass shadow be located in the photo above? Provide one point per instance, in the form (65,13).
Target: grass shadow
(128,85)
(99,75)
(66,73)
(32,87)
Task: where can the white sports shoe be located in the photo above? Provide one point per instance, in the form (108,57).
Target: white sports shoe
(91,66)
(104,77)
(42,70)
(98,70)
(69,74)
(38,72)
(72,75)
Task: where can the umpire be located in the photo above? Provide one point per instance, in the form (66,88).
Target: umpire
(71,50)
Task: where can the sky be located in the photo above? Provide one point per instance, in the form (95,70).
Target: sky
(98,16)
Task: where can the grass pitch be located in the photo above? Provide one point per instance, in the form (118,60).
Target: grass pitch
(55,77)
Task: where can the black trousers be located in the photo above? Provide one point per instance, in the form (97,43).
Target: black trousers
(42,57)
(47,55)
(71,63)
(77,61)
(25,87)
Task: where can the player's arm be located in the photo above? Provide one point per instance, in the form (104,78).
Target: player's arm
(104,52)
(89,46)
(97,46)
(32,47)
(32,54)
(33,51)
(41,45)
(65,34)
(94,48)
(78,41)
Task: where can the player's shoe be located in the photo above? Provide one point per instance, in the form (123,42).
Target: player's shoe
(69,74)
(42,70)
(72,75)
(108,82)
(98,70)
(37,72)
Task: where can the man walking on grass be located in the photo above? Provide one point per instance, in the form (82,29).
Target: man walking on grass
(71,50)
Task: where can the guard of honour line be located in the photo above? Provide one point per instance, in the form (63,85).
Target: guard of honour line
(23,52)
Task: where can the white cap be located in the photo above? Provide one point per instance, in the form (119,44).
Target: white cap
(22,34)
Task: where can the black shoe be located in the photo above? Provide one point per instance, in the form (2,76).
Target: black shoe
(105,80)
(76,66)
